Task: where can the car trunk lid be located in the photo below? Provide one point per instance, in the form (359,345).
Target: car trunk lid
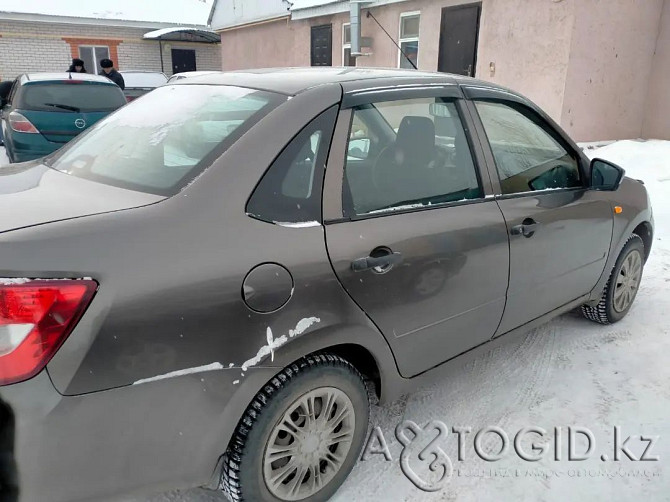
(33,194)
(61,109)
(61,127)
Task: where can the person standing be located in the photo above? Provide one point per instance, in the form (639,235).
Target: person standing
(108,71)
(5,88)
(77,66)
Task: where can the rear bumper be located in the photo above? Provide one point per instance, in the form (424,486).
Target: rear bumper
(159,435)
(25,147)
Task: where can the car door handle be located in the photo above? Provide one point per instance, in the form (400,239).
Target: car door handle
(527,228)
(383,263)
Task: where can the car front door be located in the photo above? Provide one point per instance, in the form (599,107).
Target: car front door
(560,231)
(412,230)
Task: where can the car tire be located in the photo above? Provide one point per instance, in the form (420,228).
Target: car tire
(251,472)
(622,286)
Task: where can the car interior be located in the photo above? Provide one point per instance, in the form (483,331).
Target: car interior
(425,160)
(527,157)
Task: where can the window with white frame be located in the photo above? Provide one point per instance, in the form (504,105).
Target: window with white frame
(92,55)
(347,60)
(409,40)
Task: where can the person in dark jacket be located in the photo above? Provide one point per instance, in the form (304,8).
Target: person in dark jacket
(77,66)
(5,87)
(108,71)
(9,478)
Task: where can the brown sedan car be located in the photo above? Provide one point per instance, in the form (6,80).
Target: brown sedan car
(200,294)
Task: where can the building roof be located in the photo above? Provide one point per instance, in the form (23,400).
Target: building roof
(292,81)
(230,14)
(183,34)
(306,4)
(147,12)
(304,9)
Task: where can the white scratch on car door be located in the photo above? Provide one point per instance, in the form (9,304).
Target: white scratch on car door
(275,343)
(178,373)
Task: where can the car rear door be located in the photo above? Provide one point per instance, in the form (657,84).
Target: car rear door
(412,230)
(560,231)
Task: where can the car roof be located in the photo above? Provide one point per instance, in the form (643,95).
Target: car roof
(57,77)
(195,73)
(143,71)
(292,81)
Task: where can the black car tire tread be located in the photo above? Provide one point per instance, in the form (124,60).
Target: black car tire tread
(239,447)
(603,312)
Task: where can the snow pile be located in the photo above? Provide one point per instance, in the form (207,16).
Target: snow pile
(648,161)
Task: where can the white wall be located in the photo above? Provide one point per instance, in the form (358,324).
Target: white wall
(22,51)
(37,46)
(236,12)
(528,41)
(613,43)
(657,119)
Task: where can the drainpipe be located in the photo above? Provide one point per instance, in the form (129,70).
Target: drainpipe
(160,48)
(355,27)
(211,13)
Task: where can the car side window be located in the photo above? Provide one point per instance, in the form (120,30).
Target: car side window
(290,190)
(418,156)
(528,157)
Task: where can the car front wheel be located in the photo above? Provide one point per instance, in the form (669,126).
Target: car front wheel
(301,435)
(622,286)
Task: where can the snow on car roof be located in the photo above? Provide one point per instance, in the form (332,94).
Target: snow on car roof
(181,12)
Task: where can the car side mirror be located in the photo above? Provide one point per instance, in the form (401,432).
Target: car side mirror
(605,175)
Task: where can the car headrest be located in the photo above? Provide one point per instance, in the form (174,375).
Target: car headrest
(416,136)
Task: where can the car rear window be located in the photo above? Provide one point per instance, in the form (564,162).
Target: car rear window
(83,97)
(160,143)
(143,79)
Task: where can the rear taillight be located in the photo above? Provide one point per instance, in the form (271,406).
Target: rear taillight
(36,316)
(19,123)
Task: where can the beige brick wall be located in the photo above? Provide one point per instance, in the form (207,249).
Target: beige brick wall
(37,46)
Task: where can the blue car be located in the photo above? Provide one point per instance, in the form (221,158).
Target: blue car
(43,111)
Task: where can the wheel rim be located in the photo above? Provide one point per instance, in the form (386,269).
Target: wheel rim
(309,444)
(628,281)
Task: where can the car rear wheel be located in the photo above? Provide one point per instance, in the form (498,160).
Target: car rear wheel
(301,435)
(622,287)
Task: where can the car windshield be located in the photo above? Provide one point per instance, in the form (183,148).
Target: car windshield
(76,96)
(143,79)
(160,143)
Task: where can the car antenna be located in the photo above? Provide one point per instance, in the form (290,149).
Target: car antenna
(369,14)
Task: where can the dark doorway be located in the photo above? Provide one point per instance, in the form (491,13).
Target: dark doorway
(321,53)
(459,31)
(183,60)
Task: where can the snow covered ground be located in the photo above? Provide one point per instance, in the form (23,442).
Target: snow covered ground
(569,372)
